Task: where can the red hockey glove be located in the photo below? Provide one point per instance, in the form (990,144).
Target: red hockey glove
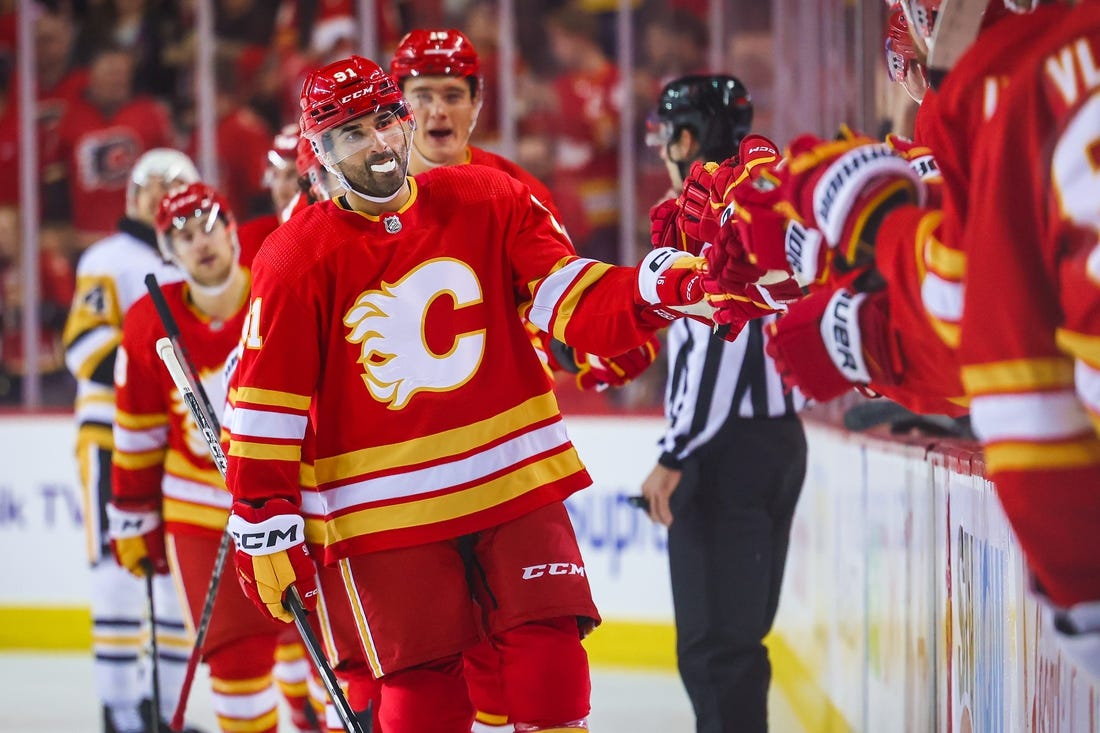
(843,188)
(137,536)
(741,291)
(599,373)
(271,555)
(670,286)
(920,157)
(832,341)
(698,217)
(664,231)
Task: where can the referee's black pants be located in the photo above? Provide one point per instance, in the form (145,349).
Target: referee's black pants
(727,546)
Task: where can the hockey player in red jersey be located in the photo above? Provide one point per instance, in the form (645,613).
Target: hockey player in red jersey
(169,504)
(388,319)
(439,73)
(1031,319)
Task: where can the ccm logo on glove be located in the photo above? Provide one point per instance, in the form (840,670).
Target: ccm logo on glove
(276,534)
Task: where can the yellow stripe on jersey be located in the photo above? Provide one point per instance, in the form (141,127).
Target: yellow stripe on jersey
(1079,346)
(563,309)
(267,721)
(942,260)
(1018,375)
(198,515)
(94,359)
(307,477)
(435,446)
(948,332)
(289,651)
(240,687)
(98,435)
(144,421)
(360,615)
(265,451)
(177,464)
(1021,456)
(138,461)
(96,398)
(273,398)
(471,500)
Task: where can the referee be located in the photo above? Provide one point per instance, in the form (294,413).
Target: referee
(732,460)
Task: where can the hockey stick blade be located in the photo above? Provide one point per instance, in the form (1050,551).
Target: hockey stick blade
(167,353)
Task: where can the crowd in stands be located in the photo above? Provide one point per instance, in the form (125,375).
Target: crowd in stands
(117,77)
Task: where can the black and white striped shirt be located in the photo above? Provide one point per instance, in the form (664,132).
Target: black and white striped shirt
(710,379)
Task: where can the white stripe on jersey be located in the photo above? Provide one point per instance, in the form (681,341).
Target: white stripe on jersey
(140,441)
(449,474)
(175,487)
(246,706)
(1040,416)
(551,290)
(268,424)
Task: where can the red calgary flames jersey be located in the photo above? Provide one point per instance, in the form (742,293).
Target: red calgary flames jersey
(99,150)
(1030,345)
(159,451)
(400,339)
(479,156)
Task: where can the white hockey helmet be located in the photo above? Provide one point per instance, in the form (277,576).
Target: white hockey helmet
(168,164)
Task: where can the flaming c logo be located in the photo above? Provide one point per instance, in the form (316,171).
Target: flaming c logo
(390,324)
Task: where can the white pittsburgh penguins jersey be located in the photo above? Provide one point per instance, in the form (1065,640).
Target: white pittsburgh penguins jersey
(109,279)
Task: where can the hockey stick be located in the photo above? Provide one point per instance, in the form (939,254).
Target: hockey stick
(293,603)
(208,425)
(957,26)
(148,567)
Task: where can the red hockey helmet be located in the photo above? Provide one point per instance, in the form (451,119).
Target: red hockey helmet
(194,201)
(446,52)
(344,90)
(284,147)
(903,61)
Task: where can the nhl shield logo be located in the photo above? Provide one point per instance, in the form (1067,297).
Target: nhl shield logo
(392,223)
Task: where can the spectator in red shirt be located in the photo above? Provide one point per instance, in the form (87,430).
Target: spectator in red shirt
(55,283)
(100,137)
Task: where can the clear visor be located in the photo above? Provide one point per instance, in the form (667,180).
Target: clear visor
(379,130)
(658,132)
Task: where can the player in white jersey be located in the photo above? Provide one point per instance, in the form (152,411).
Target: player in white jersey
(110,278)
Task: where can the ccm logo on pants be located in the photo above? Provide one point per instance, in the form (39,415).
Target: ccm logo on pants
(555,568)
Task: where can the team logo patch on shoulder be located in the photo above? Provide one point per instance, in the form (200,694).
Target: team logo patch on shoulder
(392,224)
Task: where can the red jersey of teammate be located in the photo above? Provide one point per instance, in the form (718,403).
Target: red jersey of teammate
(252,234)
(1030,318)
(413,323)
(479,156)
(99,150)
(159,450)
(587,133)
